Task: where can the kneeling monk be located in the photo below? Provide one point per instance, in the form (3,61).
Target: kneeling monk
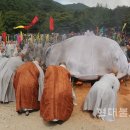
(28,84)
(102,97)
(56,102)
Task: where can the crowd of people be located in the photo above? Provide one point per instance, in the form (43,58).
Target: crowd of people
(51,90)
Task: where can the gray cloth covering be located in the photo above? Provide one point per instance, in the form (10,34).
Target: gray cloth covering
(88,56)
(6,82)
(102,97)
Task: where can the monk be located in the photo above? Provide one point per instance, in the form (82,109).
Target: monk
(56,102)
(2,51)
(102,97)
(28,84)
(8,69)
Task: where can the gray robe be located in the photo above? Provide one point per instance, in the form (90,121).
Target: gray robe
(0,55)
(40,80)
(6,82)
(3,62)
(102,97)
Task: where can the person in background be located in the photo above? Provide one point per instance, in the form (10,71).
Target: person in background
(128,50)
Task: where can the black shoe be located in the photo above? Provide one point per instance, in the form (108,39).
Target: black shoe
(20,112)
(59,122)
(4,102)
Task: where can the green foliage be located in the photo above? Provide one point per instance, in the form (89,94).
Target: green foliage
(75,7)
(2,27)
(74,17)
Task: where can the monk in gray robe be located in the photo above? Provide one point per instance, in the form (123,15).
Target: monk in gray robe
(6,78)
(101,98)
(1,52)
(3,62)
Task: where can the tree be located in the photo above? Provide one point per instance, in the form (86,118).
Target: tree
(74,17)
(2,28)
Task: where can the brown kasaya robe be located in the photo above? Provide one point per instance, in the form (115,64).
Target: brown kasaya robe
(26,87)
(56,101)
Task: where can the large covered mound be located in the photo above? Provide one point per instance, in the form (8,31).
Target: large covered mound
(88,56)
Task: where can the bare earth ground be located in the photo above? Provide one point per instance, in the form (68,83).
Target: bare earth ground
(10,120)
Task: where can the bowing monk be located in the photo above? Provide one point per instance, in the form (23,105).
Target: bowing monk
(57,101)
(7,70)
(28,84)
(102,97)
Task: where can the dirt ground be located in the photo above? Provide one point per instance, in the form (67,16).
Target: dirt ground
(79,120)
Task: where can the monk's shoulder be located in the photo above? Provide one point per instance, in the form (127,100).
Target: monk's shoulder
(51,67)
